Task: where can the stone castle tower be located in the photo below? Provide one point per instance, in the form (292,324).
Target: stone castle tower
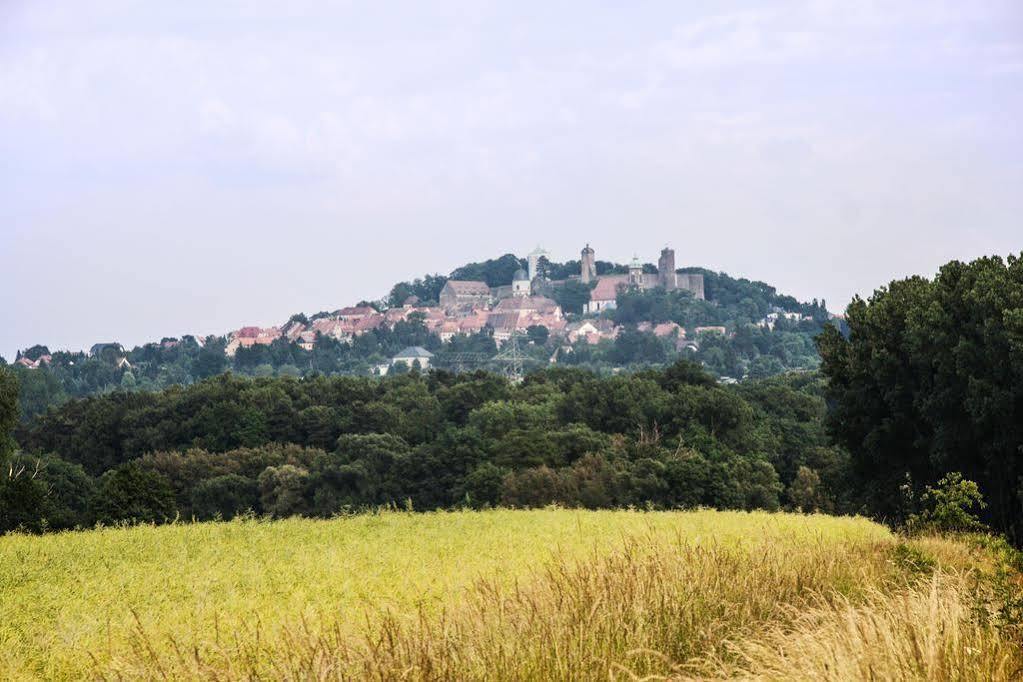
(588,269)
(533,260)
(666,269)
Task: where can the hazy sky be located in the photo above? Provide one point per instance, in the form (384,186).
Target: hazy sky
(193,166)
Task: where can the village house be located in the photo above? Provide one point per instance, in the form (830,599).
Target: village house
(519,313)
(771,319)
(591,331)
(355,313)
(662,330)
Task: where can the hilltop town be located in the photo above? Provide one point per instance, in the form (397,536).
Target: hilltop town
(469,307)
(511,315)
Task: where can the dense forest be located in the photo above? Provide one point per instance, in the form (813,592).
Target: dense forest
(737,304)
(320,446)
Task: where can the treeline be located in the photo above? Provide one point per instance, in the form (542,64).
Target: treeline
(323,445)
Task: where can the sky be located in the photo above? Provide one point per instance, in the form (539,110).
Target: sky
(191,167)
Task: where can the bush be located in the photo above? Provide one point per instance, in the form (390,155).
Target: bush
(947,508)
(132,493)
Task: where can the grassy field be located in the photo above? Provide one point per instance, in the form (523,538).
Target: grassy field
(551,594)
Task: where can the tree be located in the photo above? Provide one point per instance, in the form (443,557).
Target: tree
(132,493)
(637,347)
(211,359)
(949,507)
(224,497)
(804,491)
(494,272)
(538,334)
(572,296)
(23,503)
(8,412)
(929,381)
(483,485)
(282,490)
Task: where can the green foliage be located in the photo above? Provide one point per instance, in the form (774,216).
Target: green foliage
(948,507)
(573,295)
(23,503)
(930,380)
(634,347)
(427,290)
(495,272)
(319,446)
(8,412)
(224,497)
(132,493)
(538,334)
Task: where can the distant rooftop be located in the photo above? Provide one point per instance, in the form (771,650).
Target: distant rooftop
(413,352)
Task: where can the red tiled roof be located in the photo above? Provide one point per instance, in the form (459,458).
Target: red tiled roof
(465,287)
(356,310)
(538,304)
(369,322)
(607,287)
(503,321)
(473,323)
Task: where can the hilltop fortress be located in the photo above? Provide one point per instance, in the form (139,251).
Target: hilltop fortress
(466,295)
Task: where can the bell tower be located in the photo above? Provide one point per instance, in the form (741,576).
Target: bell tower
(635,272)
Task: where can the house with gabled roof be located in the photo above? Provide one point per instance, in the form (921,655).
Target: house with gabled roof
(464,294)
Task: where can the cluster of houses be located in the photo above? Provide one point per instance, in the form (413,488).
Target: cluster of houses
(507,317)
(467,307)
(502,320)
(470,306)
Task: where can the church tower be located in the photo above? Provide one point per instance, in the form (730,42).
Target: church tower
(588,269)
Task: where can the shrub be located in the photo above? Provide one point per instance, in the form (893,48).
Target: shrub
(948,507)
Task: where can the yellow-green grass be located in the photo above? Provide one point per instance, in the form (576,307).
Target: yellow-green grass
(82,603)
(508,595)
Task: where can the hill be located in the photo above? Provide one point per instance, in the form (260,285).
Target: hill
(742,329)
(503,595)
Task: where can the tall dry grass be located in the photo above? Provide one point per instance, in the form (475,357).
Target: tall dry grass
(637,611)
(701,595)
(941,629)
(234,595)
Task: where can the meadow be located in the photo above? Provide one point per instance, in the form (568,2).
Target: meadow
(545,594)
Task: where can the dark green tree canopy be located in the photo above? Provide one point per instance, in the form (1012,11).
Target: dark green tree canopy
(930,380)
